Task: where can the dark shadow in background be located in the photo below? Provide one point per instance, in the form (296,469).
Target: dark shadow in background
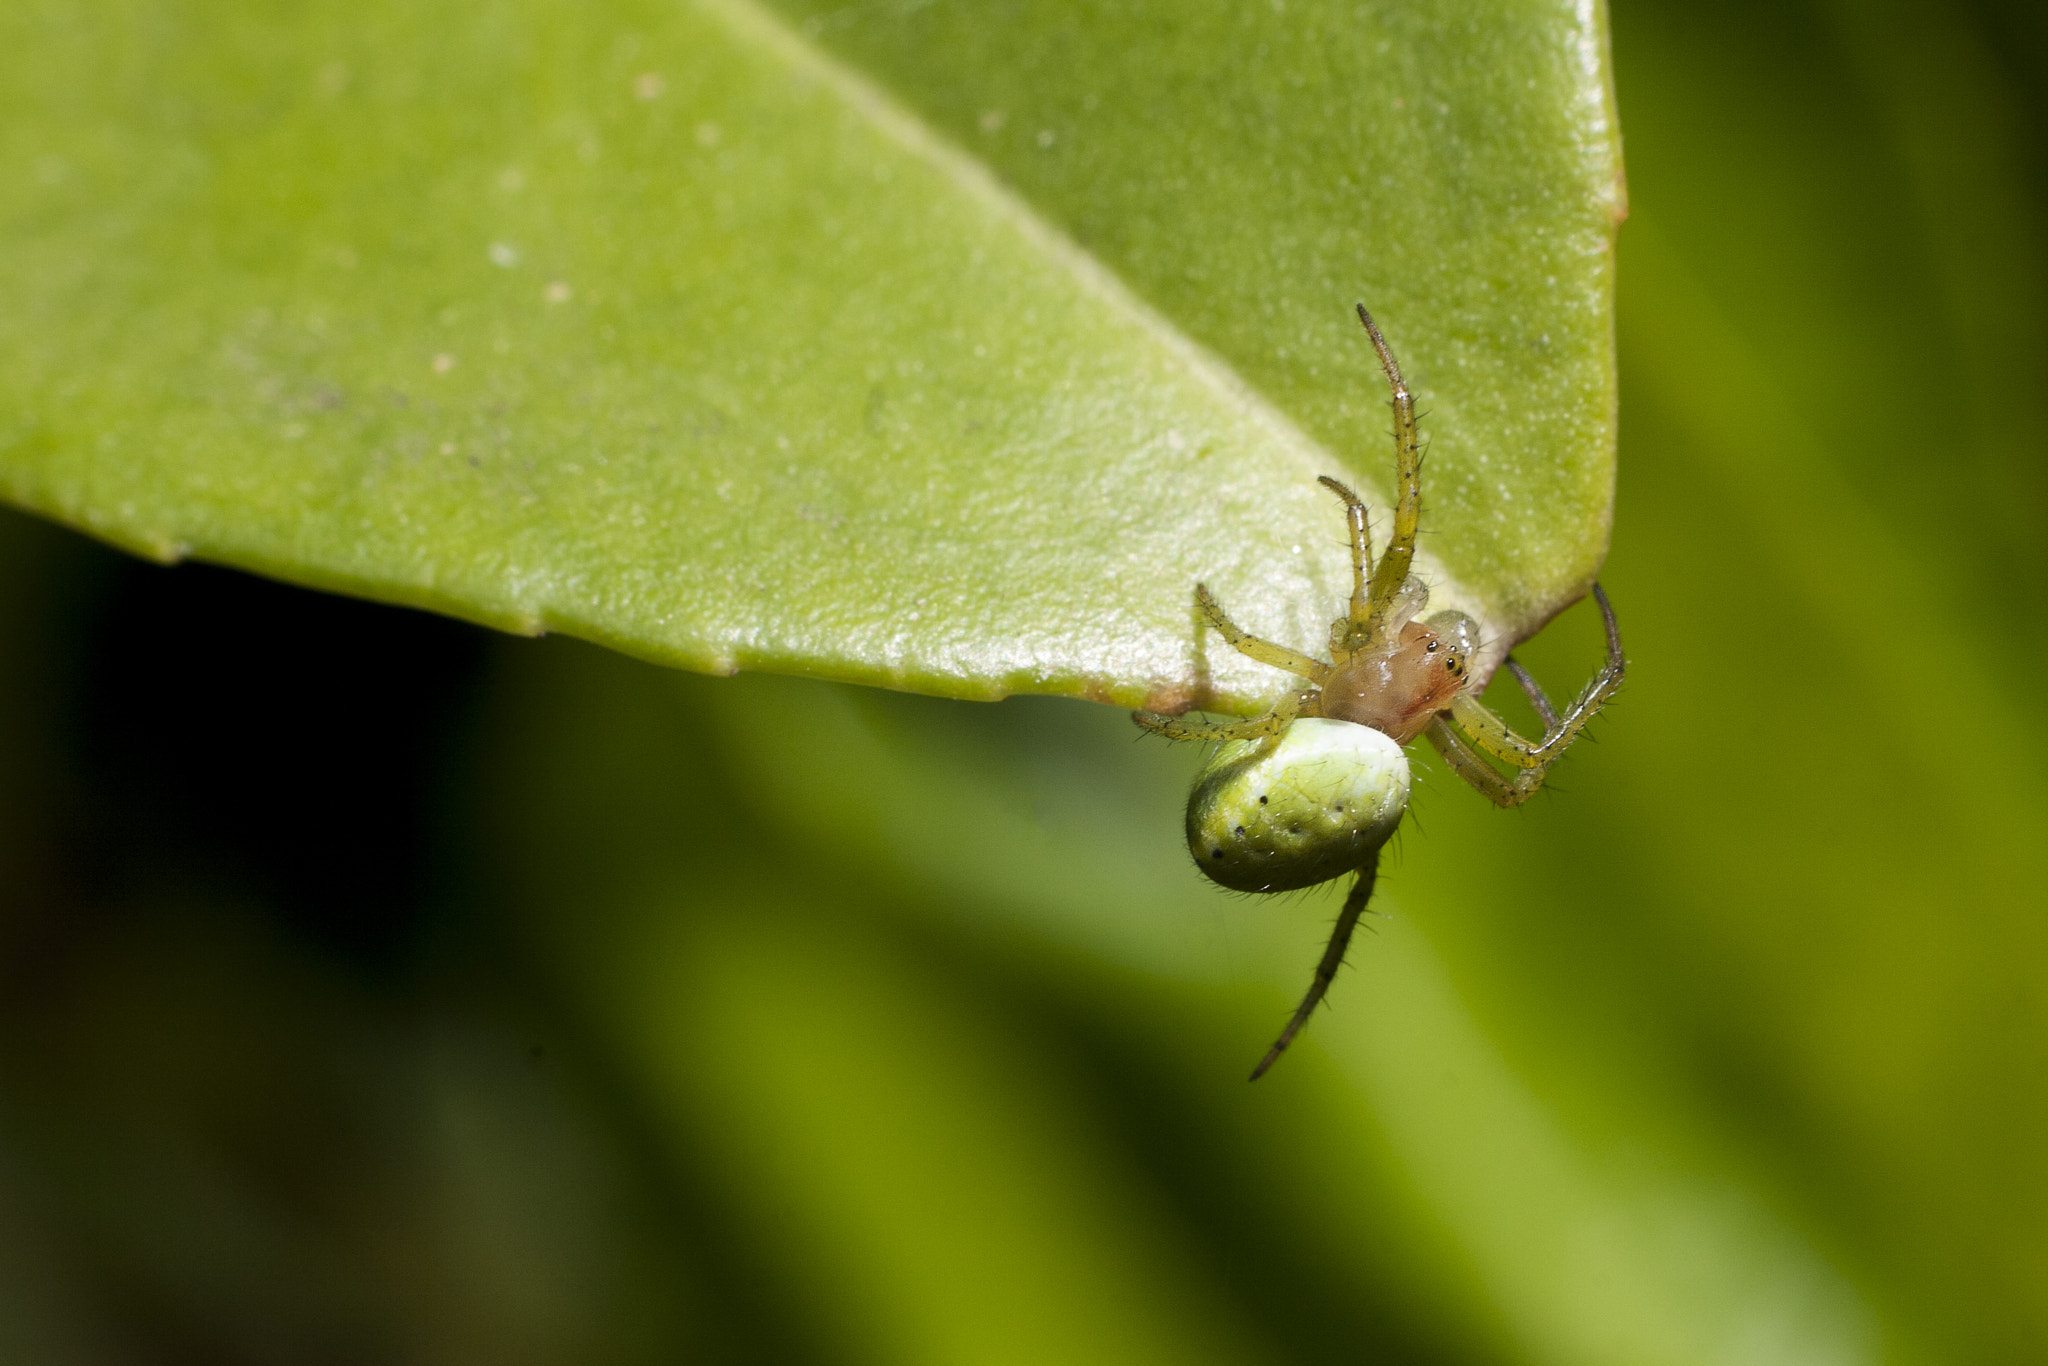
(255,948)
(243,991)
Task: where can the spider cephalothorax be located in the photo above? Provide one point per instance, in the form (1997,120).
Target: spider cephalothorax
(1312,790)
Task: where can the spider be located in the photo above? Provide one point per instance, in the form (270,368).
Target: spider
(1312,790)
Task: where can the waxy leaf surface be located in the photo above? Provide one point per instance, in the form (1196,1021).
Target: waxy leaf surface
(940,347)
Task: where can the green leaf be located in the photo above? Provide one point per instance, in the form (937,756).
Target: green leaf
(942,347)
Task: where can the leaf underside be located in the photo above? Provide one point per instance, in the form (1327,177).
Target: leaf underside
(943,347)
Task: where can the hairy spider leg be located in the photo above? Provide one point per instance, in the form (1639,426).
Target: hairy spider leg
(1494,736)
(1265,651)
(1326,970)
(1361,571)
(1392,570)
(1469,728)
(1466,763)
(1179,728)
(1254,647)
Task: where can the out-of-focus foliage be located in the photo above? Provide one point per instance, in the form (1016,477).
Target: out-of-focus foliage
(753,1019)
(936,346)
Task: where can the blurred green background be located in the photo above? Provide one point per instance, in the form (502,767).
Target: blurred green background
(647,1017)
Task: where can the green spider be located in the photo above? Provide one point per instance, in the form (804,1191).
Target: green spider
(1313,789)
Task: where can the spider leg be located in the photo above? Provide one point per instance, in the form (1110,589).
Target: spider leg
(1180,728)
(1533,690)
(1361,546)
(1466,763)
(1265,651)
(1479,730)
(1326,970)
(1392,570)
(1496,737)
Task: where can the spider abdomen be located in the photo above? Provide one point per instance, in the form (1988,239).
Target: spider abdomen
(1288,811)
